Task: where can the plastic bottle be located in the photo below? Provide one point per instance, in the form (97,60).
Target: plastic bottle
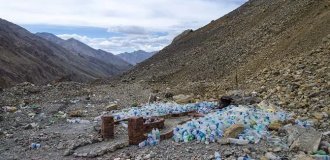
(124,124)
(185,137)
(35,145)
(143,144)
(153,134)
(77,120)
(217,156)
(175,138)
(150,140)
(157,134)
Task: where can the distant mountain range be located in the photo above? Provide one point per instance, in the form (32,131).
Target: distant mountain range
(28,57)
(136,56)
(123,61)
(80,48)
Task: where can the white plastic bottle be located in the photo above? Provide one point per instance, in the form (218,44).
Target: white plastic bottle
(217,156)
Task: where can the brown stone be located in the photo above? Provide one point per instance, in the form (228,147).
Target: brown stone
(233,131)
(181,98)
(223,141)
(318,115)
(263,158)
(275,125)
(302,157)
(111,107)
(76,113)
(303,139)
(10,109)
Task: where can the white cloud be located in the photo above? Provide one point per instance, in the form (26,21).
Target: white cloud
(127,43)
(137,20)
(108,13)
(128,30)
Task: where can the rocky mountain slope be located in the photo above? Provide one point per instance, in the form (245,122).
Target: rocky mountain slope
(136,56)
(27,57)
(243,42)
(80,48)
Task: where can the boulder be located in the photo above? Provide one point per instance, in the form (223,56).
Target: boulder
(266,106)
(275,125)
(320,115)
(9,109)
(76,113)
(271,156)
(112,106)
(302,156)
(263,158)
(246,100)
(225,101)
(168,95)
(181,98)
(303,139)
(32,90)
(223,141)
(233,131)
(30,126)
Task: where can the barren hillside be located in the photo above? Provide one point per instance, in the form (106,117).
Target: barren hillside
(27,57)
(78,47)
(246,41)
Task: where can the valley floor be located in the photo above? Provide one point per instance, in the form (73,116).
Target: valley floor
(38,114)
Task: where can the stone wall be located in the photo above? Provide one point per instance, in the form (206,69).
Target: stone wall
(107,128)
(137,128)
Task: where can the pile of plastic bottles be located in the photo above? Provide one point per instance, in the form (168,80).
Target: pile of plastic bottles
(152,139)
(305,123)
(160,109)
(211,127)
(78,120)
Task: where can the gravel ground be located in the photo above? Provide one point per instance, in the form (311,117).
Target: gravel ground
(40,119)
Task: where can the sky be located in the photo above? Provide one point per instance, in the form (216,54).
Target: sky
(116,26)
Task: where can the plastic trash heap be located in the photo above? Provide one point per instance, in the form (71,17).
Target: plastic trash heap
(212,127)
(153,139)
(161,109)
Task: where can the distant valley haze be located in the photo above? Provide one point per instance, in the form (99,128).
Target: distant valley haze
(116,26)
